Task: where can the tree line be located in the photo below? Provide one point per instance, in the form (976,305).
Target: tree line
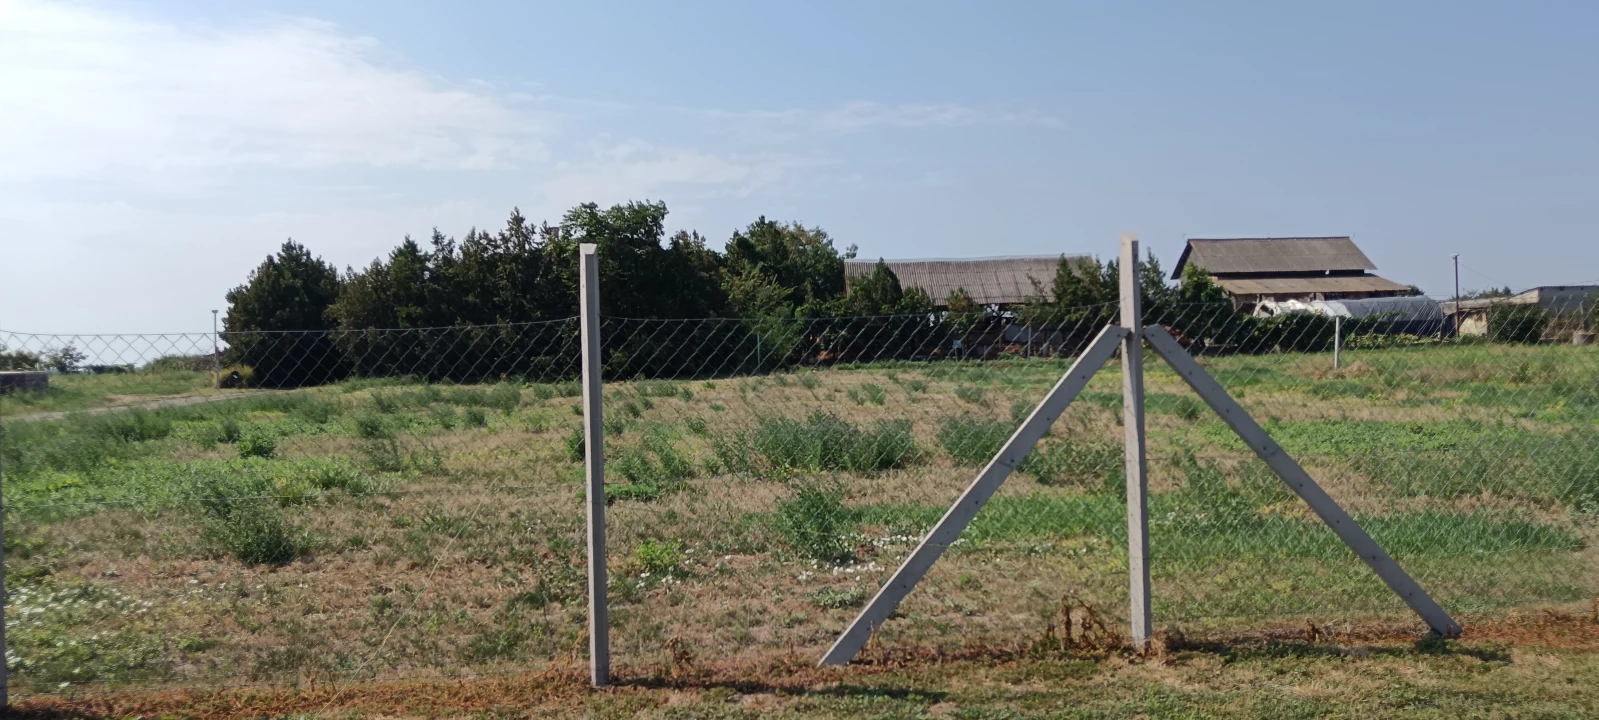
(498,303)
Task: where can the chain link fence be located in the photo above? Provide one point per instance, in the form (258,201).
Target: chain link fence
(387,504)
(302,507)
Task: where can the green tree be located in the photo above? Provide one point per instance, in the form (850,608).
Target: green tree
(802,260)
(289,291)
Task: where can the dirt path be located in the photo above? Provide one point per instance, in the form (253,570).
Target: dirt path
(164,402)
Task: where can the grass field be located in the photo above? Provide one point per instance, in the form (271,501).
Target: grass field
(395,530)
(82,392)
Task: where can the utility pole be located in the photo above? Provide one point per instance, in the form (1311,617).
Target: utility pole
(1457,296)
(216,355)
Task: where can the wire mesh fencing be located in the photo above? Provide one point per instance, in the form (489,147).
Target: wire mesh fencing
(303,506)
(768,486)
(761,497)
(381,504)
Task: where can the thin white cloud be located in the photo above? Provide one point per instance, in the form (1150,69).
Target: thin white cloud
(860,116)
(636,171)
(94,94)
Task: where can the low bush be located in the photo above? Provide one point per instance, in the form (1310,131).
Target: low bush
(974,394)
(825,442)
(506,397)
(661,558)
(651,471)
(240,515)
(315,410)
(475,417)
(973,441)
(382,454)
(1186,407)
(257,443)
(575,445)
(1092,466)
(445,416)
(816,524)
(839,598)
(371,426)
(1517,323)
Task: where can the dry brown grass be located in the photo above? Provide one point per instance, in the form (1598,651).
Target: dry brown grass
(1196,660)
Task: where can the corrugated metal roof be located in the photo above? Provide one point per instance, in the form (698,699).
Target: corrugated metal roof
(990,281)
(1267,255)
(1307,285)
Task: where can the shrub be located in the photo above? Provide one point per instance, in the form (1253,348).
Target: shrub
(505,396)
(575,445)
(314,410)
(874,394)
(973,441)
(1064,462)
(240,515)
(445,416)
(237,377)
(826,442)
(130,426)
(1516,323)
(674,468)
(228,430)
(655,388)
(1186,407)
(974,394)
(839,598)
(815,523)
(371,426)
(696,426)
(257,443)
(664,557)
(650,472)
(475,417)
(324,475)
(382,454)
(385,402)
(1019,410)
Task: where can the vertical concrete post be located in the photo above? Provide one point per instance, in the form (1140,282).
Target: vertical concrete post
(1132,320)
(1338,341)
(5,671)
(594,464)
(216,355)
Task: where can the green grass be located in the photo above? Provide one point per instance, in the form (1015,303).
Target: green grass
(81,392)
(1214,516)
(1491,508)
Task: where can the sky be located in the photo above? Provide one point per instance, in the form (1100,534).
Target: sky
(152,153)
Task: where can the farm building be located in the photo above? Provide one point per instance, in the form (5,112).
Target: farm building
(996,281)
(1254,270)
(1559,301)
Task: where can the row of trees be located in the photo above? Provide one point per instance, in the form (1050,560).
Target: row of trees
(499,302)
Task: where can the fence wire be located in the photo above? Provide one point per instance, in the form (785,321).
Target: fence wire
(300,507)
(408,503)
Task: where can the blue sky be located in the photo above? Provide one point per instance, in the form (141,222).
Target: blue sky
(151,153)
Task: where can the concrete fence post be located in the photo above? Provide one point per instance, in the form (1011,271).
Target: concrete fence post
(594,464)
(1140,614)
(1338,341)
(5,670)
